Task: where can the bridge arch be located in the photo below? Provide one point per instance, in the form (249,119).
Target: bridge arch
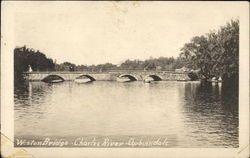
(131,77)
(50,78)
(155,77)
(88,76)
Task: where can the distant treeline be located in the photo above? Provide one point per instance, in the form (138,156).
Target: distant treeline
(161,63)
(215,54)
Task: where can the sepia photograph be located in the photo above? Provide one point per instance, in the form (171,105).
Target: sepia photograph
(126,75)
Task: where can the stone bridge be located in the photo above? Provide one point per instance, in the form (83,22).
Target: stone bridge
(110,76)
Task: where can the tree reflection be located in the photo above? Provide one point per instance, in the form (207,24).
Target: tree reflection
(212,109)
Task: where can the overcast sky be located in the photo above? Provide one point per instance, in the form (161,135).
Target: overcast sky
(100,32)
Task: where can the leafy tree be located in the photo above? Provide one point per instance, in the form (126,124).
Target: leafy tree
(216,54)
(25,57)
(228,37)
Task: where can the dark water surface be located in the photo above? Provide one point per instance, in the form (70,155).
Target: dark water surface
(190,114)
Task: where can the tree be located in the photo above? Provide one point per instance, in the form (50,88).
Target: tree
(23,57)
(216,54)
(229,57)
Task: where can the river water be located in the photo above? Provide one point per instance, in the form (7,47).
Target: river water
(188,114)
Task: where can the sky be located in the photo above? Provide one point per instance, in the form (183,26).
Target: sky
(110,31)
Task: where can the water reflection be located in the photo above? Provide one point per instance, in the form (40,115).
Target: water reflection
(211,112)
(194,114)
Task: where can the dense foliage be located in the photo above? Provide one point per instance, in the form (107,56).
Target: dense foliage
(25,57)
(216,54)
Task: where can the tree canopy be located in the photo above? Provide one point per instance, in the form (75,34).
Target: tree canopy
(216,54)
(25,57)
